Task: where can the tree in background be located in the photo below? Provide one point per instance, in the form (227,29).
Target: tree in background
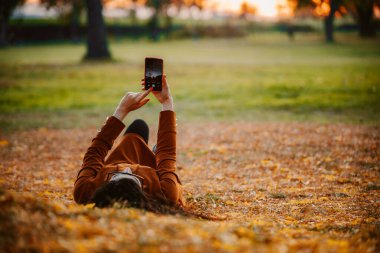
(133,11)
(153,23)
(363,13)
(197,3)
(329,19)
(324,8)
(131,6)
(6,9)
(361,10)
(72,13)
(160,8)
(97,46)
(246,10)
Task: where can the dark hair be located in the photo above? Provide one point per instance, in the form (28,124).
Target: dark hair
(124,191)
(128,193)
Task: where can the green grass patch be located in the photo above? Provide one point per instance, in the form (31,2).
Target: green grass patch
(264,77)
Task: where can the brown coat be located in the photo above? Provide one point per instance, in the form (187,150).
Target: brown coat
(158,170)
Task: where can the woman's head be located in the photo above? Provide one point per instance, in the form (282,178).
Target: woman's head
(123,190)
(129,193)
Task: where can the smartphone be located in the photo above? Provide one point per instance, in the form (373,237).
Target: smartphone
(154,69)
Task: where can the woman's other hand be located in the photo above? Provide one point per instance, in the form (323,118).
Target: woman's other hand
(130,102)
(163,96)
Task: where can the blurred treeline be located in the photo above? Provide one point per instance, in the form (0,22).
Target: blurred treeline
(362,11)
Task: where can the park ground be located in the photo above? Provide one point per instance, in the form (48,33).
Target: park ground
(278,143)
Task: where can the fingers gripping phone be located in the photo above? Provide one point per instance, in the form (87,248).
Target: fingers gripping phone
(154,68)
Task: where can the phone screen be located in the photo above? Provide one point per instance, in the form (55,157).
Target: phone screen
(153,73)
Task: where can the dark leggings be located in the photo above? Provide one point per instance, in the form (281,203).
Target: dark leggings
(139,127)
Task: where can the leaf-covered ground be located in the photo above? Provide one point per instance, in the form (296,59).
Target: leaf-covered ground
(281,187)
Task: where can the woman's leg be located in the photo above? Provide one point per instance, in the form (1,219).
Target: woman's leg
(139,127)
(133,147)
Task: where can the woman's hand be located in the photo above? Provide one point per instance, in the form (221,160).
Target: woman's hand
(163,96)
(130,102)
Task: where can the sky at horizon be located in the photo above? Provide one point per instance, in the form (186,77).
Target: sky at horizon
(265,8)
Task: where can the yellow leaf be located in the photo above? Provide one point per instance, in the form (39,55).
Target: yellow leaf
(221,150)
(58,206)
(343,180)
(330,177)
(46,193)
(265,162)
(3,143)
(91,205)
(301,201)
(69,224)
(250,166)
(370,220)
(244,232)
(284,170)
(320,226)
(289,218)
(230,203)
(340,246)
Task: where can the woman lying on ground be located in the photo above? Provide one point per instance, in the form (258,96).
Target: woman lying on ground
(132,174)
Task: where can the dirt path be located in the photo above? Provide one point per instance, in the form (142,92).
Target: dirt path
(286,186)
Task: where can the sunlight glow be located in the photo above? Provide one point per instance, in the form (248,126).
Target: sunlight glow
(265,8)
(323,8)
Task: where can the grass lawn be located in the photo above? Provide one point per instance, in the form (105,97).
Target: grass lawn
(261,78)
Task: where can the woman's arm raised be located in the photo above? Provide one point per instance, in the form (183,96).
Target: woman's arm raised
(166,145)
(93,159)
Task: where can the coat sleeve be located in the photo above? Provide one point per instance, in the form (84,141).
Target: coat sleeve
(93,161)
(166,156)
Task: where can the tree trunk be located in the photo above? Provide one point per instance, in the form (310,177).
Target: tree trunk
(365,18)
(168,24)
(3,32)
(329,22)
(6,9)
(133,14)
(97,48)
(153,27)
(74,20)
(153,23)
